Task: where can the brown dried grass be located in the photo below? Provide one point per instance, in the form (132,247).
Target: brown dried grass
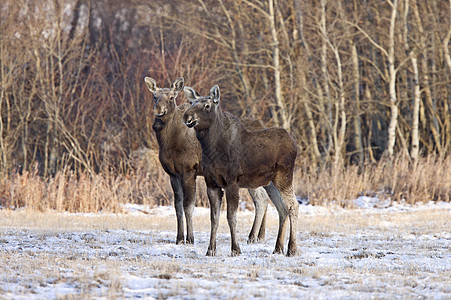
(428,179)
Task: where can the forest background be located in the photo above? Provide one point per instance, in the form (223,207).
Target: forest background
(364,87)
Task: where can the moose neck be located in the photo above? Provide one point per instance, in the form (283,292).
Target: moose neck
(214,130)
(219,139)
(171,131)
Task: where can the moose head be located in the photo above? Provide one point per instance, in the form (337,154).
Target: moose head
(165,104)
(203,108)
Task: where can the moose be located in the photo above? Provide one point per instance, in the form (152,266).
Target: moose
(180,156)
(235,157)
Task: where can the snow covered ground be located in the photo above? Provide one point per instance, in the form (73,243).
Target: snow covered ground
(374,251)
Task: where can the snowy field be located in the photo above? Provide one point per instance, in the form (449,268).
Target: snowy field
(373,251)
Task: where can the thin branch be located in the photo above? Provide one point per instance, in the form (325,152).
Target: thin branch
(369,38)
(261,10)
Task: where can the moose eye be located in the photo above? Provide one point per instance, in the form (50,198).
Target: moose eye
(207,106)
(172,98)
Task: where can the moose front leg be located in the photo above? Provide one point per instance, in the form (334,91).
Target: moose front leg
(178,203)
(215,198)
(189,199)
(233,198)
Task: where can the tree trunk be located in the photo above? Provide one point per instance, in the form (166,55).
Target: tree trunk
(315,154)
(300,26)
(341,112)
(3,146)
(415,141)
(416,110)
(313,136)
(75,18)
(239,64)
(392,84)
(248,91)
(368,98)
(434,125)
(357,123)
(326,74)
(447,108)
(276,65)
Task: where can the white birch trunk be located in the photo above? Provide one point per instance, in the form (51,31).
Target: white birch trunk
(326,74)
(276,64)
(392,84)
(341,132)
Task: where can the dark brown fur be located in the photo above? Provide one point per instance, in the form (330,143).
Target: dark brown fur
(180,156)
(234,157)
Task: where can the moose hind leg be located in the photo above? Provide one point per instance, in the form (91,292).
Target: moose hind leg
(215,198)
(290,202)
(189,199)
(282,210)
(293,215)
(178,203)
(260,199)
(233,198)
(262,231)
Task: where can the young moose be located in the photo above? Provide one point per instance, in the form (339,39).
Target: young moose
(180,156)
(235,157)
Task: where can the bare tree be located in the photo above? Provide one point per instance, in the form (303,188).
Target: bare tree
(340,113)
(425,80)
(447,107)
(276,63)
(390,55)
(71,93)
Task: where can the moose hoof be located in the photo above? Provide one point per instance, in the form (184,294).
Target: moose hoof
(236,252)
(278,251)
(255,240)
(190,240)
(180,241)
(292,253)
(211,252)
(252,240)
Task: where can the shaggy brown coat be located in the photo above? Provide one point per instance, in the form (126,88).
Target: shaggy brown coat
(235,157)
(180,156)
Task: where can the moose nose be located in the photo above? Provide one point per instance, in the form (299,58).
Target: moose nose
(160,111)
(159,115)
(189,121)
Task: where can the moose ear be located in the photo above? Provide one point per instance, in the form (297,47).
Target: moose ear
(215,94)
(191,94)
(152,85)
(178,84)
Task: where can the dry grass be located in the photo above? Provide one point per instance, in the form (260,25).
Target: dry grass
(358,254)
(427,221)
(429,179)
